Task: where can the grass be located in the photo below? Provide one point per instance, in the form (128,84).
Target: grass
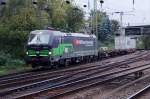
(12,68)
(10,65)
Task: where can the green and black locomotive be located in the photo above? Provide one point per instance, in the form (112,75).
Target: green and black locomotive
(48,48)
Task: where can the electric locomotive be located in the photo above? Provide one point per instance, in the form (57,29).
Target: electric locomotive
(49,48)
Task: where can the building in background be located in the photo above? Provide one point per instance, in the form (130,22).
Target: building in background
(124,41)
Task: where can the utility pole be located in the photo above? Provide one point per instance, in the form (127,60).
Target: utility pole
(101,2)
(121,22)
(122,32)
(95,16)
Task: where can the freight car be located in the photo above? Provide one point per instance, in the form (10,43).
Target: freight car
(49,48)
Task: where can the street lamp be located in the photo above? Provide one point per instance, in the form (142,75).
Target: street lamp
(3,2)
(38,11)
(101,1)
(67,2)
(84,6)
(34,2)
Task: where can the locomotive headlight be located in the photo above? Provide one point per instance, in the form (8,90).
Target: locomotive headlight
(50,53)
(27,53)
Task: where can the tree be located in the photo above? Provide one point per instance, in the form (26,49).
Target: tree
(74,18)
(19,17)
(16,21)
(145,41)
(104,28)
(114,26)
(103,24)
(92,20)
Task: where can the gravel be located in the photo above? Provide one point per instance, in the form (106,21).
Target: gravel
(113,90)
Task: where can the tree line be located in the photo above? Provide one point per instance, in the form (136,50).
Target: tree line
(19,17)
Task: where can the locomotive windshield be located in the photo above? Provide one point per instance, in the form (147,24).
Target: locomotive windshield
(39,39)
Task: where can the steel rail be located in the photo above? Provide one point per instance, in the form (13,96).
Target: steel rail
(21,74)
(102,78)
(53,79)
(45,73)
(62,77)
(43,78)
(99,82)
(29,80)
(139,93)
(36,75)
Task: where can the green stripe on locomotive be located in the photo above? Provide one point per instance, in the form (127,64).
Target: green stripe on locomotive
(60,50)
(44,52)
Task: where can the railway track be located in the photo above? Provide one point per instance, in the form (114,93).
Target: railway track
(34,72)
(124,88)
(64,88)
(24,78)
(142,94)
(46,75)
(74,77)
(61,78)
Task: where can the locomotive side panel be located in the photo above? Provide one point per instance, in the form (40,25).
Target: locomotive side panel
(73,47)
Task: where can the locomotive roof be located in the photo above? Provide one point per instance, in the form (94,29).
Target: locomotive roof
(58,33)
(82,35)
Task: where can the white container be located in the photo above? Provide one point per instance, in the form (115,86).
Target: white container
(125,42)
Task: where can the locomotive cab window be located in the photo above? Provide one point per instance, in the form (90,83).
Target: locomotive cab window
(38,39)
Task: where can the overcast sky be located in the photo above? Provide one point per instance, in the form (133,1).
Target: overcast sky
(139,16)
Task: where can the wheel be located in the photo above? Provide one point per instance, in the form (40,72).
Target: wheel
(62,63)
(66,63)
(35,66)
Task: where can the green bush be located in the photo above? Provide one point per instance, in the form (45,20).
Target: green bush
(13,42)
(15,62)
(4,58)
(7,60)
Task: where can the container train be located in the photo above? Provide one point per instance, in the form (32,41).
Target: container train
(48,48)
